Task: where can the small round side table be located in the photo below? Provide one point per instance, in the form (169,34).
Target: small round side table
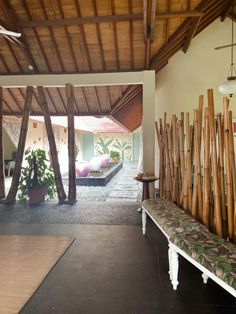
(146,181)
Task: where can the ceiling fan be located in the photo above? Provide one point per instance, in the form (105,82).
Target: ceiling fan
(10,35)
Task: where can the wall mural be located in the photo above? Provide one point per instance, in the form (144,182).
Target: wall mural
(123,143)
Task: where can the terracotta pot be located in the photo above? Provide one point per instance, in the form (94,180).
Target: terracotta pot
(37,195)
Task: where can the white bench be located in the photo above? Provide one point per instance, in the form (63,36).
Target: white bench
(213,256)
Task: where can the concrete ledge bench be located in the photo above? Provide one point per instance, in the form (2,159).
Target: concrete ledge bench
(212,255)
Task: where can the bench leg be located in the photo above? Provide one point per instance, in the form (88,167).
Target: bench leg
(144,221)
(174,266)
(205,277)
(169,259)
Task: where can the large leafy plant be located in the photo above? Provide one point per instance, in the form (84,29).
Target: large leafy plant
(37,174)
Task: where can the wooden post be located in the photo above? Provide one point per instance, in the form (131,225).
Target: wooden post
(216,189)
(11,197)
(71,143)
(51,139)
(2,167)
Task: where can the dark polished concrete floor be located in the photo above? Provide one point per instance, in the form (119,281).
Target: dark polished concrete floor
(114,269)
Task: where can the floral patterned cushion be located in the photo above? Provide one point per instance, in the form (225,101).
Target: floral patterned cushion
(211,251)
(171,218)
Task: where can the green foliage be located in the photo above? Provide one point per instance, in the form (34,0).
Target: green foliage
(122,146)
(103,146)
(36,174)
(114,154)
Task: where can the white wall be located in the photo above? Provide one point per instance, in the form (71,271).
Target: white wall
(189,75)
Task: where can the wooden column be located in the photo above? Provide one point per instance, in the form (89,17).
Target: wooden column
(71,143)
(21,145)
(52,144)
(2,174)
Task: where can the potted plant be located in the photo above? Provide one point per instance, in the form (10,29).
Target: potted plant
(37,178)
(114,155)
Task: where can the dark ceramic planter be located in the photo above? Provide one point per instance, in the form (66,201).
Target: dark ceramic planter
(37,195)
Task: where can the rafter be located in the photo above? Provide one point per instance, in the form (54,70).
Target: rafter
(175,40)
(97,99)
(115,36)
(83,35)
(25,5)
(99,35)
(228,6)
(52,36)
(131,37)
(191,33)
(68,36)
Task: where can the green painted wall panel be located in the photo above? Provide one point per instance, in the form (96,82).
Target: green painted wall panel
(136,146)
(88,146)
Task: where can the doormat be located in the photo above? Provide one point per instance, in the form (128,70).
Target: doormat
(24,262)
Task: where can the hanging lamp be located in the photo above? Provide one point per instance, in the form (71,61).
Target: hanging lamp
(229,86)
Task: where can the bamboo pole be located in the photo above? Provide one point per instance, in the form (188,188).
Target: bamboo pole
(206,181)
(2,167)
(228,171)
(233,171)
(170,152)
(195,183)
(220,124)
(160,144)
(216,190)
(189,166)
(71,143)
(11,197)
(51,139)
(182,157)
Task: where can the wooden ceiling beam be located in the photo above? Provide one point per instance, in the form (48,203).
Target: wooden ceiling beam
(215,13)
(62,99)
(9,107)
(99,36)
(131,37)
(109,97)
(115,36)
(14,98)
(83,35)
(25,5)
(228,6)
(104,19)
(53,39)
(24,96)
(85,99)
(68,36)
(97,99)
(12,22)
(191,33)
(14,55)
(5,63)
(81,20)
(203,6)
(47,92)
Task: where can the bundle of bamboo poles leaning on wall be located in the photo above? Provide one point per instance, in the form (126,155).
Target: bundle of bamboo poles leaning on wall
(197,165)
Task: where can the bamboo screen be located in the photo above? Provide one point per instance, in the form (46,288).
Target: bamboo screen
(197,165)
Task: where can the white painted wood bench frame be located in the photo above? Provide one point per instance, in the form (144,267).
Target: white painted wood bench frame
(174,266)
(173,259)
